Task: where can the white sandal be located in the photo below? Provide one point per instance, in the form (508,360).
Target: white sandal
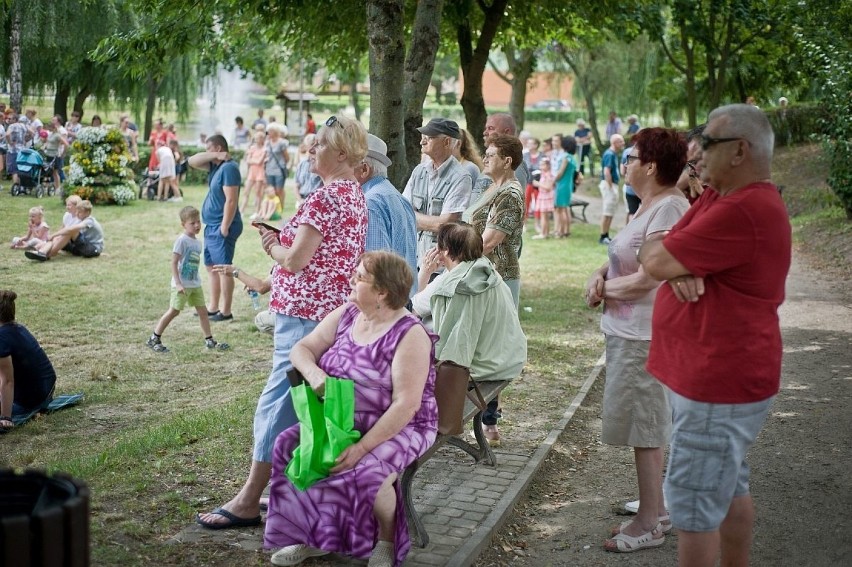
(295,554)
(383,554)
(628,544)
(665,525)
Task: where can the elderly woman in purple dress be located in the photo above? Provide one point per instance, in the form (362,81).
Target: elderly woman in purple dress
(374,341)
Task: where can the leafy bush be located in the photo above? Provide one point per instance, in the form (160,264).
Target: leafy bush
(797,124)
(834,68)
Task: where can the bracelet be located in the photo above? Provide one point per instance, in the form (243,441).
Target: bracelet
(5,418)
(236,273)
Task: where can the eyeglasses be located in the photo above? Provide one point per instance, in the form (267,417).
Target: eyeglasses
(706,141)
(490,156)
(332,121)
(631,156)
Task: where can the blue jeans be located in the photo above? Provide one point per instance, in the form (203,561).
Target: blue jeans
(275,411)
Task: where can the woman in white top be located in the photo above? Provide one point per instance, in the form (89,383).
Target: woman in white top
(635,409)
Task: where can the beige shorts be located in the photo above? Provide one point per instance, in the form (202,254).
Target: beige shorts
(636,410)
(609,196)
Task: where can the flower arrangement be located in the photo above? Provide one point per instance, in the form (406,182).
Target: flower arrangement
(99,168)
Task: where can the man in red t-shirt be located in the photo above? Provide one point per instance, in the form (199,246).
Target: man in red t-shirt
(716,338)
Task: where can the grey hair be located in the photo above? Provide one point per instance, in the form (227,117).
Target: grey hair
(748,122)
(378,167)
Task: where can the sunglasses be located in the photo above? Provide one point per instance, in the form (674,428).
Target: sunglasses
(332,121)
(706,141)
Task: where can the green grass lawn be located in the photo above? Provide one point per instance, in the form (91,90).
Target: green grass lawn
(160,436)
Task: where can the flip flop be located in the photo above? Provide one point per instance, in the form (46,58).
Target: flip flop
(233,521)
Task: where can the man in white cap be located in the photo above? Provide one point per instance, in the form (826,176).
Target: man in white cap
(390,218)
(439,188)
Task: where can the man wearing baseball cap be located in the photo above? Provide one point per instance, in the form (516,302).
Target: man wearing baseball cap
(390,219)
(439,188)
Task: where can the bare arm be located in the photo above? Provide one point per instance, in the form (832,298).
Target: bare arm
(660,264)
(251,282)
(232,195)
(491,238)
(295,258)
(204,159)
(434,223)
(409,371)
(7,389)
(562,167)
(176,272)
(306,353)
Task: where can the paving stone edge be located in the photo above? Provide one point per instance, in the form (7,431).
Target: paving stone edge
(481,538)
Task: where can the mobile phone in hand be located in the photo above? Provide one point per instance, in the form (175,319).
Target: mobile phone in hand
(258,224)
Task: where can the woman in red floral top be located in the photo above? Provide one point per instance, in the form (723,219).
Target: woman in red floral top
(316,253)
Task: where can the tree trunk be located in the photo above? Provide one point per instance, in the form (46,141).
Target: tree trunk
(353,93)
(521,68)
(438,85)
(80,99)
(385,34)
(16,87)
(60,99)
(691,91)
(589,96)
(473,63)
(151,102)
(419,66)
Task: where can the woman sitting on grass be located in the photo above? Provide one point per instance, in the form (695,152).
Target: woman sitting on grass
(27,378)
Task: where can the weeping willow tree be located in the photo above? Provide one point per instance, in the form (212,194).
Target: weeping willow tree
(50,51)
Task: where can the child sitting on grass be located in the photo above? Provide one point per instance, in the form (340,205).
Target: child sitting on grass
(37,231)
(70,216)
(270,208)
(186,283)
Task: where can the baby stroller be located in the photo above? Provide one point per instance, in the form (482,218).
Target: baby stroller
(34,175)
(150,178)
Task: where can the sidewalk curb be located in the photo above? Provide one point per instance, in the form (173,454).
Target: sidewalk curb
(481,538)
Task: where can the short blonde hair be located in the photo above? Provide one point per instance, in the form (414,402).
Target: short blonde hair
(85,205)
(37,210)
(75,199)
(348,136)
(188,214)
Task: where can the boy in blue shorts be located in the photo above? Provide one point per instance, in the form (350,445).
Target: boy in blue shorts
(186,282)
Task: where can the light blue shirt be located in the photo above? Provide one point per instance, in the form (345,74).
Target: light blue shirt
(391,224)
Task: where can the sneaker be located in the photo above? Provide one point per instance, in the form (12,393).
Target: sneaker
(213,345)
(176,200)
(40,256)
(220,317)
(605,240)
(156,345)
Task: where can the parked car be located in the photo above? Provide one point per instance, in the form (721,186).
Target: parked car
(551,104)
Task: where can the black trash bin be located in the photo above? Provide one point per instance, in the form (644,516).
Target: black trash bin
(44,520)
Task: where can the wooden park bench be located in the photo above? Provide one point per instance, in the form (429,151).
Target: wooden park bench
(580,204)
(480,452)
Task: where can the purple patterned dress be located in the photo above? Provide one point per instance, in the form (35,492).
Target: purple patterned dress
(336,513)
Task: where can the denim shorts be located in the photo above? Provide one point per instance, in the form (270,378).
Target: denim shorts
(219,249)
(707,459)
(276,181)
(275,411)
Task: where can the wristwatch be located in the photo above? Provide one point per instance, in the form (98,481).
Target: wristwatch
(236,273)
